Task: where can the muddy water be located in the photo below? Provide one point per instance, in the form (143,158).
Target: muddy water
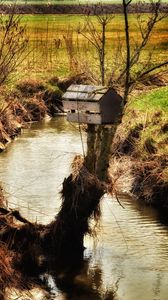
(129,258)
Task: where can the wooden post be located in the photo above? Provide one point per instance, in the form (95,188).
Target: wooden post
(106,136)
(90,160)
(99,142)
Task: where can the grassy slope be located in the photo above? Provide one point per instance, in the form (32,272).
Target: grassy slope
(141,147)
(150,110)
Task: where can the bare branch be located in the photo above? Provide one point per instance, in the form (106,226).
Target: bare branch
(158,66)
(134,53)
(13,43)
(96,38)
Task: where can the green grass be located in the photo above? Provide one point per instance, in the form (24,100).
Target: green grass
(151,110)
(152,101)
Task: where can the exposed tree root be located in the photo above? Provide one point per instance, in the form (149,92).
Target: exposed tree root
(35,246)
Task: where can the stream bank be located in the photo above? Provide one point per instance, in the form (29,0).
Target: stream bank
(30,101)
(120,263)
(139,161)
(139,148)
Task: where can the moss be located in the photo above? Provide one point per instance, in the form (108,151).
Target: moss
(53,90)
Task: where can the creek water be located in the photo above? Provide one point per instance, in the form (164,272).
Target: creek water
(127,260)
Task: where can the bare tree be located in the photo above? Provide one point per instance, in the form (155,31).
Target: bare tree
(94,36)
(13,44)
(133,55)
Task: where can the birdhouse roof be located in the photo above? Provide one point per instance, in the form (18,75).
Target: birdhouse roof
(82,92)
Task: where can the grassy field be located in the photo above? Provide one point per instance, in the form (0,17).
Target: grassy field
(56,49)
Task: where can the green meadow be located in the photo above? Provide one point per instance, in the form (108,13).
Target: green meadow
(56,49)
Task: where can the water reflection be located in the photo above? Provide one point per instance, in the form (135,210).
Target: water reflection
(33,168)
(129,259)
(81,283)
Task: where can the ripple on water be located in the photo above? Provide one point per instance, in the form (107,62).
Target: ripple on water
(130,255)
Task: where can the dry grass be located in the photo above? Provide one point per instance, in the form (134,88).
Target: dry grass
(121,175)
(56,49)
(151,182)
(29,88)
(20,113)
(19,106)
(9,127)
(2,198)
(36,108)
(140,148)
(7,274)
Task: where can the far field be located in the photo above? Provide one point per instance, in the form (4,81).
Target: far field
(55,46)
(69,1)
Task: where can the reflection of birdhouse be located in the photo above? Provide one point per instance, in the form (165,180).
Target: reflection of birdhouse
(92,104)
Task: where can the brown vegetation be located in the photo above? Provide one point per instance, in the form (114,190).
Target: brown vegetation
(13,44)
(14,115)
(6,270)
(18,107)
(60,243)
(75,9)
(149,184)
(9,126)
(28,88)
(30,101)
(146,177)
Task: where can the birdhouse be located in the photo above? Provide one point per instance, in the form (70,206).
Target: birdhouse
(92,104)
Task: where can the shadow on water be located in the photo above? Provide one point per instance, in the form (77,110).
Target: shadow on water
(78,282)
(58,125)
(114,270)
(150,211)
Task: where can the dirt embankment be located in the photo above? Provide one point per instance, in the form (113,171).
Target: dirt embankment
(145,179)
(30,101)
(76,9)
(17,110)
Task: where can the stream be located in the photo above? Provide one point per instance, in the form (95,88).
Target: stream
(128,258)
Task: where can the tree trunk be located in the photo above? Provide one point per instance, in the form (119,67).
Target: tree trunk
(127,78)
(103,54)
